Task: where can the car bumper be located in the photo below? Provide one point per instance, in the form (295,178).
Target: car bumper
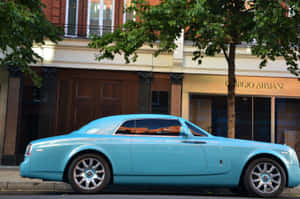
(25,168)
(294,176)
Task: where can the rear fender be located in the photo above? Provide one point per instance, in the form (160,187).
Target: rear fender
(82,148)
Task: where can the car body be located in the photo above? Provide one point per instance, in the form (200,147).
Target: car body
(159,149)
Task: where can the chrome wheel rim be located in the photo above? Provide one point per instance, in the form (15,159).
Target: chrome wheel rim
(89,173)
(265,178)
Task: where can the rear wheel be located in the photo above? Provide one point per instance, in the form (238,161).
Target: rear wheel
(265,177)
(89,173)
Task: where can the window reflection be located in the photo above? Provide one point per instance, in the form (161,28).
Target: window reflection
(127,15)
(163,127)
(94,16)
(100,16)
(195,131)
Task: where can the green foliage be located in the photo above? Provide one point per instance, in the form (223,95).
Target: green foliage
(24,24)
(212,26)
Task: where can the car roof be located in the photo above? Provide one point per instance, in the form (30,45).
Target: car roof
(109,123)
(140,116)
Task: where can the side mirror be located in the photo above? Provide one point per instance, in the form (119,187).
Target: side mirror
(184,131)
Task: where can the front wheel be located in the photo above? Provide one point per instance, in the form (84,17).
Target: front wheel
(265,178)
(89,173)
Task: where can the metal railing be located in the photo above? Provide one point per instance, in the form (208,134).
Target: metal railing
(84,31)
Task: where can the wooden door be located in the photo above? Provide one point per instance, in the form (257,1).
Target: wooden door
(83,96)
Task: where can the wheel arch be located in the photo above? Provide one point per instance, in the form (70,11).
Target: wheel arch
(86,151)
(264,155)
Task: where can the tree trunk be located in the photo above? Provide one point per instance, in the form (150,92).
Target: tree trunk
(231,92)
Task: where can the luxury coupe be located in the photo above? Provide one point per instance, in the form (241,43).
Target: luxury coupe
(161,150)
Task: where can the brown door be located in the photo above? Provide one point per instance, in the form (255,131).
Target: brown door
(84,96)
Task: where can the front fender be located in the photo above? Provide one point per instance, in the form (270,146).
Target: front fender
(265,152)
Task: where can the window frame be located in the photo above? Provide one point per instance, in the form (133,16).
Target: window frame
(67,19)
(101,17)
(125,13)
(145,135)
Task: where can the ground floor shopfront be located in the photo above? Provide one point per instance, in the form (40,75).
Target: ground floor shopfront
(267,108)
(70,98)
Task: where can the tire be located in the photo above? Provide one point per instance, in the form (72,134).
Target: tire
(89,173)
(264,177)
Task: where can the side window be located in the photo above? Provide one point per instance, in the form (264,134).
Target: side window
(194,130)
(127,127)
(159,127)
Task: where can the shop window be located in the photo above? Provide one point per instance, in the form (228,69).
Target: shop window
(287,126)
(160,102)
(252,121)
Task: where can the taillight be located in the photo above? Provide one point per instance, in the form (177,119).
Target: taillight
(28,150)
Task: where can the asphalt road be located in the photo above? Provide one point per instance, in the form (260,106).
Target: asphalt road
(20,195)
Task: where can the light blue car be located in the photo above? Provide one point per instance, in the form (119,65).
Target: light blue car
(161,150)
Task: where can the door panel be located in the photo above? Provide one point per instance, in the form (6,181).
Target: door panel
(110,98)
(166,156)
(85,101)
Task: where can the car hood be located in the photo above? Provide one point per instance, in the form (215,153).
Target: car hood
(251,143)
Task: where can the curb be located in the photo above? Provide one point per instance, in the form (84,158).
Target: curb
(35,186)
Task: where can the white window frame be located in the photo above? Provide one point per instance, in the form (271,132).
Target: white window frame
(101,9)
(125,13)
(67,19)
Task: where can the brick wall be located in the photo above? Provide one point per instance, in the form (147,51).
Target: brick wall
(55,11)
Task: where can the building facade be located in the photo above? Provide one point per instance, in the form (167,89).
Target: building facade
(77,88)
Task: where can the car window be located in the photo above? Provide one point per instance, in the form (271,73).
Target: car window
(195,131)
(161,127)
(127,127)
(158,127)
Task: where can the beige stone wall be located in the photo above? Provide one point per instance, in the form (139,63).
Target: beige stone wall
(3,102)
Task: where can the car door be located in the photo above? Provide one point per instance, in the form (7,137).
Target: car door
(215,156)
(158,148)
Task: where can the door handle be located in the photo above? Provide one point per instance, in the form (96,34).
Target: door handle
(193,142)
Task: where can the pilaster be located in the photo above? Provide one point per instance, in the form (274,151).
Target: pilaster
(145,96)
(176,93)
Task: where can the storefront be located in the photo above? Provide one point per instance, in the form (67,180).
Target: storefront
(267,108)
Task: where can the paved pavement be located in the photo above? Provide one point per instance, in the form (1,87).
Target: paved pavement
(10,181)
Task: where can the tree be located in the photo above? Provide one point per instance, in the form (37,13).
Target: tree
(23,24)
(218,26)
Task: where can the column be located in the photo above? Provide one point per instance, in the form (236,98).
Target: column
(3,103)
(272,119)
(176,93)
(145,95)
(47,104)
(13,115)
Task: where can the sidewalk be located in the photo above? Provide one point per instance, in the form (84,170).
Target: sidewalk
(10,181)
